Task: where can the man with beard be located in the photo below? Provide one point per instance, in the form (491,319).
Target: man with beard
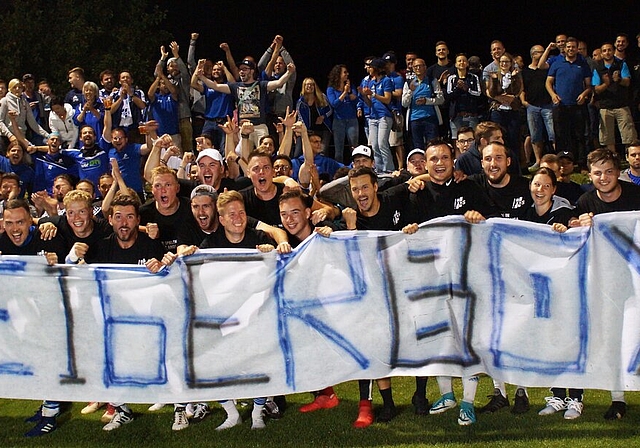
(53,205)
(508,193)
(250,95)
(376,211)
(261,198)
(22,238)
(125,246)
(632,174)
(92,159)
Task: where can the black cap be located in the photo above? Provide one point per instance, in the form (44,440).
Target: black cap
(390,56)
(248,62)
(378,63)
(27,76)
(566,154)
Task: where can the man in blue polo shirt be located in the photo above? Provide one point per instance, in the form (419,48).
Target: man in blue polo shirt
(569,85)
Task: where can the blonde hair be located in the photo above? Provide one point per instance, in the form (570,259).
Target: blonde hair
(320,98)
(226,198)
(77,196)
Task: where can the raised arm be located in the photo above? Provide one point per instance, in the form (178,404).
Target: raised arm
(233,68)
(276,84)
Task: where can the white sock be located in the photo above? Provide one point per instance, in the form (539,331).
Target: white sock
(256,413)
(502,386)
(230,408)
(469,387)
(617,395)
(445,384)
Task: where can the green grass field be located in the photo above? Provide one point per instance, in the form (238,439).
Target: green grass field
(332,428)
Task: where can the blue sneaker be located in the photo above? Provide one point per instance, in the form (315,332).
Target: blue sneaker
(444,403)
(467,414)
(44,426)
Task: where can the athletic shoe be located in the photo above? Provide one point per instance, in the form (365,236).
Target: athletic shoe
(156,407)
(387,414)
(122,416)
(535,167)
(44,426)
(616,411)
(229,423)
(180,420)
(443,404)
(365,414)
(272,410)
(91,407)
(554,404)
(200,411)
(189,409)
(108,414)
(257,422)
(520,402)
(420,404)
(321,402)
(497,402)
(467,414)
(36,417)
(281,401)
(574,409)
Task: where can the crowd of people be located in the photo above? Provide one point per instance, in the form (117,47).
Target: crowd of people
(221,155)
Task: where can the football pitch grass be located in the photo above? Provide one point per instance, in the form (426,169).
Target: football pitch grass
(332,428)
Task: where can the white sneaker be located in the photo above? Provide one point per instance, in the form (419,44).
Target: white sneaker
(554,404)
(190,409)
(121,417)
(156,407)
(574,409)
(230,422)
(91,407)
(180,420)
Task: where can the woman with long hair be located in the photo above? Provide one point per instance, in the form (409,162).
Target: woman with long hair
(315,111)
(344,100)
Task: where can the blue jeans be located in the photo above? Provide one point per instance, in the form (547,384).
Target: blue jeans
(344,128)
(217,135)
(460,121)
(379,130)
(423,130)
(539,118)
(510,121)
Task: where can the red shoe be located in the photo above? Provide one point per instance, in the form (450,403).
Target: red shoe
(321,402)
(108,415)
(365,414)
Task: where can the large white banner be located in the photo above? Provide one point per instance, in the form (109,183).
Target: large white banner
(511,299)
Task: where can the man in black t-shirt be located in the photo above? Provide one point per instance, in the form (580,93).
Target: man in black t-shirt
(168,212)
(236,235)
(609,195)
(20,237)
(509,193)
(376,211)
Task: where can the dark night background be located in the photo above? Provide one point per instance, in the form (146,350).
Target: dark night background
(321,34)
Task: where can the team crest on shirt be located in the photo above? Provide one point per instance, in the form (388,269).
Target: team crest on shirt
(396,217)
(459,203)
(518,202)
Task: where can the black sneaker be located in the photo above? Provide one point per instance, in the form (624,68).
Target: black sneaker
(45,426)
(272,410)
(387,414)
(497,402)
(520,402)
(201,410)
(420,404)
(281,401)
(36,417)
(616,411)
